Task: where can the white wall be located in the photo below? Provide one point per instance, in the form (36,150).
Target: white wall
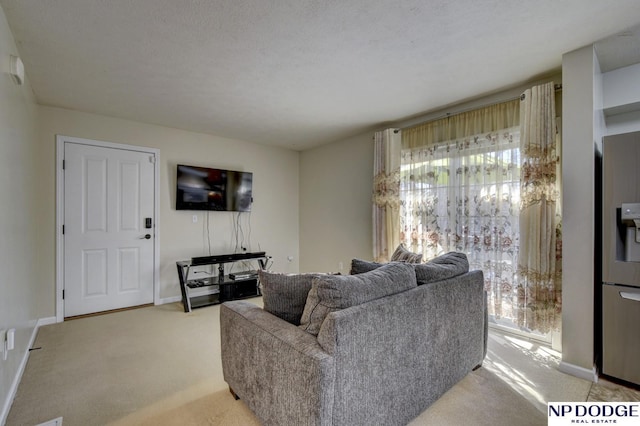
(581,138)
(20,289)
(621,88)
(622,99)
(273,221)
(335,204)
(623,123)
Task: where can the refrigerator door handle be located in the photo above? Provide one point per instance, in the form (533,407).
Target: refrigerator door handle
(630,296)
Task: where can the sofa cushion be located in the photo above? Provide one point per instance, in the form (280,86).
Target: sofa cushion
(358,266)
(284,295)
(403,255)
(334,292)
(442,267)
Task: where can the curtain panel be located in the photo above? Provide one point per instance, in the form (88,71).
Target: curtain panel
(386,198)
(540,254)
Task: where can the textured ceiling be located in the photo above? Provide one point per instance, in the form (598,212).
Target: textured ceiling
(294,73)
(620,50)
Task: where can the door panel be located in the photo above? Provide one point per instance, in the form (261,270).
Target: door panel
(94,273)
(128,270)
(620,339)
(94,203)
(108,264)
(130,197)
(620,184)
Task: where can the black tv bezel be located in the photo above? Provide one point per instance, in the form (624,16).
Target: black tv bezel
(187,206)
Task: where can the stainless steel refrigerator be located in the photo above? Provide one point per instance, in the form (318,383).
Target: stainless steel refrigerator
(621,257)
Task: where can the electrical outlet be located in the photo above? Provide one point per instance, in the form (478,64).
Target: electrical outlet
(11,339)
(340,266)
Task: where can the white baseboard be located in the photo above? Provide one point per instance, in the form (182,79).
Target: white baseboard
(46,321)
(23,363)
(169,300)
(580,372)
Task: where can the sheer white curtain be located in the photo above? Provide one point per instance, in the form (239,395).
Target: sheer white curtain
(386,185)
(539,260)
(460,191)
(464,195)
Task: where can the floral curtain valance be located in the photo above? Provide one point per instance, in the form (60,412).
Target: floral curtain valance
(455,127)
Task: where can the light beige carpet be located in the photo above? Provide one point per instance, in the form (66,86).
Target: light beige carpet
(161,366)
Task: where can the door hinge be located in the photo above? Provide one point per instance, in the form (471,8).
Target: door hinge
(152,159)
(62,229)
(63,165)
(63,294)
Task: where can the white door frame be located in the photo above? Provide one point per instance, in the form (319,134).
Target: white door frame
(60,141)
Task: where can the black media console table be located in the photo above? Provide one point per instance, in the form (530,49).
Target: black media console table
(234,286)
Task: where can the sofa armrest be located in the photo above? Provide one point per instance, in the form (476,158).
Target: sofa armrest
(277,369)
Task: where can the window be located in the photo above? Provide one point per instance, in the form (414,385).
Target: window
(464,195)
(461,188)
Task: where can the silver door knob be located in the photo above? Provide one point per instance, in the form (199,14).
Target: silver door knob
(146,237)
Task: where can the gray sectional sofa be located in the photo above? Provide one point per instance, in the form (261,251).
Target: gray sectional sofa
(373,348)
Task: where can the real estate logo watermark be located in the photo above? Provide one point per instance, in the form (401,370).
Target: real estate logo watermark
(593,413)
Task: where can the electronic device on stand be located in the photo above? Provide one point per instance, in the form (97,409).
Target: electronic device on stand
(239,285)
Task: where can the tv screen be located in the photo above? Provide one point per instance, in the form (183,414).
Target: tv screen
(203,188)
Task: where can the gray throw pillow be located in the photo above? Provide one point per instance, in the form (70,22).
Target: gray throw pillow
(284,295)
(359,266)
(334,292)
(448,265)
(401,254)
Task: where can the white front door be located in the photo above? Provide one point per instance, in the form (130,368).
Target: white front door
(108,228)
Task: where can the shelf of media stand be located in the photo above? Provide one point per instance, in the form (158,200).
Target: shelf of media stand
(221,287)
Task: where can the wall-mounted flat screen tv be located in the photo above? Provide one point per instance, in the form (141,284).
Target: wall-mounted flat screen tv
(203,188)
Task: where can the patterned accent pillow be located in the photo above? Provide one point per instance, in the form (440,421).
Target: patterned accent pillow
(359,266)
(284,295)
(448,265)
(403,255)
(334,292)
